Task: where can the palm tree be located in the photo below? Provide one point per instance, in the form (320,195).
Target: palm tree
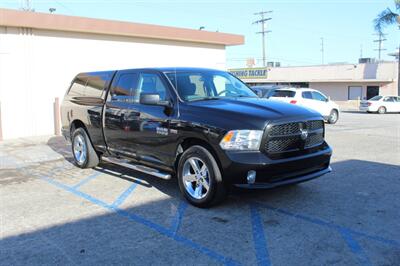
(385,18)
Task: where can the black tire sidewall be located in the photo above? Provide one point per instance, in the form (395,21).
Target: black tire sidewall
(82,132)
(197,151)
(382,108)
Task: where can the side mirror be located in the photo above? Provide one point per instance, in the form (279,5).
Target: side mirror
(153,99)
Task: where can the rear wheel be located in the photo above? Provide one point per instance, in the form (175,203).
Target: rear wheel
(333,117)
(82,149)
(199,177)
(382,110)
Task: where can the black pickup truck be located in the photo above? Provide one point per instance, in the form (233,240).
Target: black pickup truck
(203,126)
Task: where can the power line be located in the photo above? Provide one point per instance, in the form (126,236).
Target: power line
(64,6)
(263,31)
(26,5)
(380,40)
(322,50)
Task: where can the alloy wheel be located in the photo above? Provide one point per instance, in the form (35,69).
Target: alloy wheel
(80,149)
(196,178)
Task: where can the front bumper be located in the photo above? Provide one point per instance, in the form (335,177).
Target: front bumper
(288,181)
(368,108)
(272,173)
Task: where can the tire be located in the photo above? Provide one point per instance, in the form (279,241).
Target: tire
(82,150)
(382,110)
(189,184)
(333,117)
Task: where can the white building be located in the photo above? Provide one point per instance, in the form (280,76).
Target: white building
(344,83)
(40,54)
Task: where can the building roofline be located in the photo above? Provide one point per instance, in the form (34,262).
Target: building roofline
(319,81)
(36,20)
(320,65)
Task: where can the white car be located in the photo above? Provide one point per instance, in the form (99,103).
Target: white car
(309,98)
(381,104)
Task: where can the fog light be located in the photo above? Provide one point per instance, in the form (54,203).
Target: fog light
(251,177)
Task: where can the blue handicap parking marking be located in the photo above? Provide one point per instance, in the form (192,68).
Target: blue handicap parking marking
(260,242)
(346,233)
(87,179)
(355,247)
(124,195)
(177,220)
(141,220)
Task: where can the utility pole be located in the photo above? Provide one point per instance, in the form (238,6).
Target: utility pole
(322,50)
(380,40)
(361,51)
(263,31)
(26,5)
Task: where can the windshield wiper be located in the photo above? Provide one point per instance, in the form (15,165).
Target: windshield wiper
(246,96)
(205,99)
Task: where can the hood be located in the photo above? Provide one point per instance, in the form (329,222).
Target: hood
(250,113)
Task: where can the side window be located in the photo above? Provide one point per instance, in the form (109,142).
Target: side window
(283,93)
(306,95)
(318,96)
(125,89)
(388,99)
(78,87)
(397,99)
(95,86)
(152,84)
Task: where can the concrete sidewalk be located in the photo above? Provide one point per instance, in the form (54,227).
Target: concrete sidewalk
(27,152)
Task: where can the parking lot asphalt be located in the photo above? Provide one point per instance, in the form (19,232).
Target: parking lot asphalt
(55,213)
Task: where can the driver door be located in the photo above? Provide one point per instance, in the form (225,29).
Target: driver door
(156,141)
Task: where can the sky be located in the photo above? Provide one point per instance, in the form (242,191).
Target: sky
(297,26)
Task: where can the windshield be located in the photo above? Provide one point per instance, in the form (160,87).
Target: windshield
(200,85)
(375,98)
(283,93)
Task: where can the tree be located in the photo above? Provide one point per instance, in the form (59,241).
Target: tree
(385,18)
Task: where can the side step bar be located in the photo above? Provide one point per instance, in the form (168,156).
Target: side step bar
(140,168)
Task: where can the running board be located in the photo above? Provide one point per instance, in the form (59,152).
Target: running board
(139,168)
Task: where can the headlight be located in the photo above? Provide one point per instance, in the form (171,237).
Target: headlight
(242,140)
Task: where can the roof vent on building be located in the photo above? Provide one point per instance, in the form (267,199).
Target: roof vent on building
(366,60)
(273,64)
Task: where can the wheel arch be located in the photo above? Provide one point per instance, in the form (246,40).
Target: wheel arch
(79,124)
(186,143)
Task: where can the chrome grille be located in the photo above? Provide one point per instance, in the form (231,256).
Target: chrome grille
(284,138)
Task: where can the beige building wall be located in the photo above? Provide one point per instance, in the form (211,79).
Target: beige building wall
(339,91)
(38,65)
(335,91)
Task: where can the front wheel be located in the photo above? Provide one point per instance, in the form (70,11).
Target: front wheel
(333,117)
(199,177)
(82,149)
